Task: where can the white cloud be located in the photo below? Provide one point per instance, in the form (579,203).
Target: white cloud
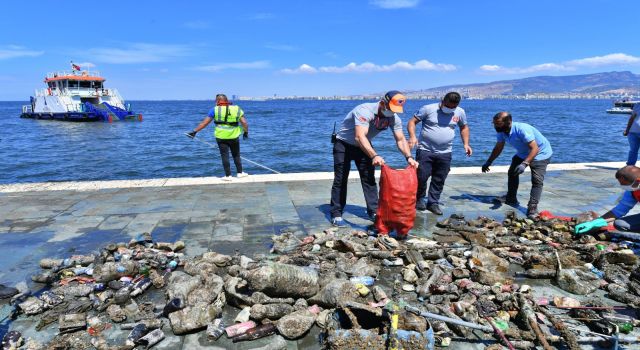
(15,51)
(304,68)
(368,67)
(138,53)
(237,65)
(394,4)
(281,47)
(606,60)
(597,61)
(197,24)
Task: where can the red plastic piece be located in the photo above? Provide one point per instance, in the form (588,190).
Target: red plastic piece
(545,214)
(397,204)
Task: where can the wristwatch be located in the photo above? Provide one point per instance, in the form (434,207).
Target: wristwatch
(407,157)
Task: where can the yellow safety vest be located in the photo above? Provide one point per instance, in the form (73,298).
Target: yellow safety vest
(227,120)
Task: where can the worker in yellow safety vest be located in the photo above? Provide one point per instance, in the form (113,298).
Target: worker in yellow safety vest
(230,123)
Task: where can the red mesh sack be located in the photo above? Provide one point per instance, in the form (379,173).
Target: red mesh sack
(397,203)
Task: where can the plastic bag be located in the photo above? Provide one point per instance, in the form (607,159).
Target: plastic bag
(397,204)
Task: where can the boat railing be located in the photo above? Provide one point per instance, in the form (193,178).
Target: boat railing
(27,109)
(79,73)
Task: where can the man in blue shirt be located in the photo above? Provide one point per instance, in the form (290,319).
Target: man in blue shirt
(629,179)
(532,150)
(632,132)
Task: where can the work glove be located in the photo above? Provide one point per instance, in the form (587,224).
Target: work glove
(520,168)
(245,135)
(485,167)
(192,134)
(590,225)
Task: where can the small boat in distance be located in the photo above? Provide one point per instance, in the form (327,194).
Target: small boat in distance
(78,95)
(623,106)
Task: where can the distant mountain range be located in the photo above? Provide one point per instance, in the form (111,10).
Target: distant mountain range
(608,83)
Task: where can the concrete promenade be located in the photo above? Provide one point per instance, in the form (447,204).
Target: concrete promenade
(60,219)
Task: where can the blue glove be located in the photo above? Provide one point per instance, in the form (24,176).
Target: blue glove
(590,225)
(245,135)
(192,134)
(520,168)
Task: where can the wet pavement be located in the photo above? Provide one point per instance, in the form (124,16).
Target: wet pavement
(243,216)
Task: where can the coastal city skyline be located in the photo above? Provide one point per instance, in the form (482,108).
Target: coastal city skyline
(345,49)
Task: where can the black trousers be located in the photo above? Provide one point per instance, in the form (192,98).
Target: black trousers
(343,154)
(234,146)
(629,223)
(437,167)
(538,171)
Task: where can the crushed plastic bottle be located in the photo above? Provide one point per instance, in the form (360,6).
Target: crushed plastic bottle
(593,269)
(152,338)
(366,280)
(215,329)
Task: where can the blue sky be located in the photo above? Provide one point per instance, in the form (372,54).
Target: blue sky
(194,49)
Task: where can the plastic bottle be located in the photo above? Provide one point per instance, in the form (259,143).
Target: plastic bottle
(593,269)
(152,338)
(140,286)
(144,270)
(239,328)
(256,333)
(215,329)
(173,305)
(138,331)
(366,280)
(625,327)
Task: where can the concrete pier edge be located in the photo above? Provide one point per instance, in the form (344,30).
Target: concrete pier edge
(310,176)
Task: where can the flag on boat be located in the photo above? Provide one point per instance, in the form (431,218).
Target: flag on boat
(75,66)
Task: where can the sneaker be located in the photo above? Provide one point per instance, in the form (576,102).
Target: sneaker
(434,208)
(532,211)
(338,221)
(420,206)
(226,178)
(243,174)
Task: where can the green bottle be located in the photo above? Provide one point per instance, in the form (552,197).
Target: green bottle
(144,270)
(625,327)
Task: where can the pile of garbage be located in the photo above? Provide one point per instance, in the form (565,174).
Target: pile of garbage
(473,280)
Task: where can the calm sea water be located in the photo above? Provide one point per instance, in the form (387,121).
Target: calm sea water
(288,136)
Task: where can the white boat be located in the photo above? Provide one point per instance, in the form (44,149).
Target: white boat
(622,107)
(78,95)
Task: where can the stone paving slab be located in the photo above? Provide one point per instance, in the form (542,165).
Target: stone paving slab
(51,220)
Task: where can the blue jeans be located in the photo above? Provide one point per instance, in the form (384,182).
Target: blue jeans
(634,144)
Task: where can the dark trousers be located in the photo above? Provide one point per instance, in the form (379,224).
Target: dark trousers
(437,167)
(538,171)
(234,146)
(629,223)
(343,154)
